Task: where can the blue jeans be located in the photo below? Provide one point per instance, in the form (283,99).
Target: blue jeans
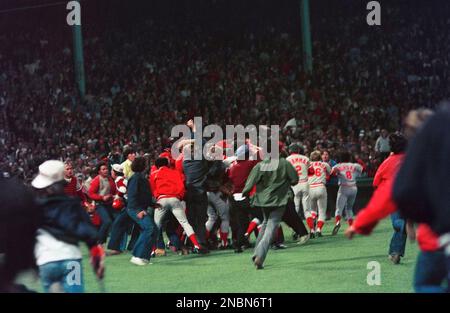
(106,215)
(175,241)
(148,235)
(430,272)
(398,241)
(119,231)
(134,232)
(66,275)
(160,242)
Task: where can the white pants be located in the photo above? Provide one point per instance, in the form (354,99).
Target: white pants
(178,210)
(318,197)
(345,200)
(301,194)
(217,207)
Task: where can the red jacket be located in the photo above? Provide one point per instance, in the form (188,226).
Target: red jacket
(388,169)
(74,189)
(426,238)
(179,163)
(179,166)
(167,183)
(121,186)
(95,185)
(381,203)
(238,173)
(168,155)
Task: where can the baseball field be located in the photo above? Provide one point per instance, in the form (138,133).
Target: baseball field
(327,264)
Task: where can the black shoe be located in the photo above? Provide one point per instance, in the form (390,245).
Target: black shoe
(246,243)
(278,246)
(319,234)
(312,235)
(200,250)
(336,229)
(294,236)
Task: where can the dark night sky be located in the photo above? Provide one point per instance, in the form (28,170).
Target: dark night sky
(239,14)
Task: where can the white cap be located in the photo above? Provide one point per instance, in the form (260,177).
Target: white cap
(50,172)
(117,168)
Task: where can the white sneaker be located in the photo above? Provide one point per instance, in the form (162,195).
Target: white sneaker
(303,239)
(139,261)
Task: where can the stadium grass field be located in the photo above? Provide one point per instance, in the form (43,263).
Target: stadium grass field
(327,264)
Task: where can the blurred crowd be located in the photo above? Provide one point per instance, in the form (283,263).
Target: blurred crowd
(145,78)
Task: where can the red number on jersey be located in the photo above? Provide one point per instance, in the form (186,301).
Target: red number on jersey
(318,172)
(299,170)
(349,175)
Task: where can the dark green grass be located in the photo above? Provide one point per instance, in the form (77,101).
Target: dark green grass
(327,264)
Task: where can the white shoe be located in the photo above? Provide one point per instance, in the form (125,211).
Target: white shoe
(303,239)
(139,261)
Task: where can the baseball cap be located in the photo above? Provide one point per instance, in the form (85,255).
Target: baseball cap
(50,172)
(117,168)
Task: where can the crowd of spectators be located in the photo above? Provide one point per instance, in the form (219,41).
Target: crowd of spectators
(147,77)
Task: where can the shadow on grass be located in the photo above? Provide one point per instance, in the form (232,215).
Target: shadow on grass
(364,257)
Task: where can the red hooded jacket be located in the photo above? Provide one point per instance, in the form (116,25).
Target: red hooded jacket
(167,183)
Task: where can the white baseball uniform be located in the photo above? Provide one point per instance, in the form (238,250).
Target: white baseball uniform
(317,189)
(346,174)
(218,207)
(301,190)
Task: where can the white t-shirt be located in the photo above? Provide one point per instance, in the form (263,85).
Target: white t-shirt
(49,249)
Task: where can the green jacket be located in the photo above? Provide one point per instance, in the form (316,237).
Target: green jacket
(273,188)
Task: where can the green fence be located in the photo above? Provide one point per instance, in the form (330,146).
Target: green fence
(365,191)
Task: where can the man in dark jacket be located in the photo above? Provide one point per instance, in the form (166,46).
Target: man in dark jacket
(196,172)
(64,223)
(421,189)
(140,209)
(19,219)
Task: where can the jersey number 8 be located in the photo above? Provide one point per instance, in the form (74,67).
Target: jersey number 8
(349,175)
